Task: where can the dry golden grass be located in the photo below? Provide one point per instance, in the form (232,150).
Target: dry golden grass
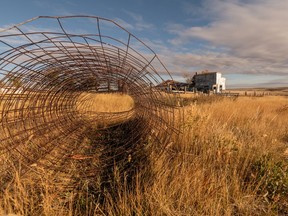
(113,102)
(261,91)
(228,160)
(105,109)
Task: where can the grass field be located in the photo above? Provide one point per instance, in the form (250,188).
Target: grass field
(230,159)
(283,91)
(105,102)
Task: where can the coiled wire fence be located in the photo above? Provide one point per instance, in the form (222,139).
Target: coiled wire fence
(50,68)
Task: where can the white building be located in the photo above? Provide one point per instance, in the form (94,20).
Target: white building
(209,81)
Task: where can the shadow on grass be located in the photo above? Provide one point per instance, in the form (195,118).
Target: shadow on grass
(120,153)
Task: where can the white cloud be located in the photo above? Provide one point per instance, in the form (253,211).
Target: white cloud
(254,35)
(123,23)
(139,23)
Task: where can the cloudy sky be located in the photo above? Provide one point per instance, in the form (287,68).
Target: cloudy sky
(246,40)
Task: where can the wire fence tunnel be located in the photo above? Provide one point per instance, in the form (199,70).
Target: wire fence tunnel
(48,66)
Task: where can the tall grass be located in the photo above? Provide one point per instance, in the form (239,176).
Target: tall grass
(105,102)
(228,160)
(216,167)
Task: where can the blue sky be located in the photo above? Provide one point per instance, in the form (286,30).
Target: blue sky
(245,40)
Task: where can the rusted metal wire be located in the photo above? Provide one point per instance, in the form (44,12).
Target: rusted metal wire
(47,64)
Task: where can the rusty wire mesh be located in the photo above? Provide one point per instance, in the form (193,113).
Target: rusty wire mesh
(48,67)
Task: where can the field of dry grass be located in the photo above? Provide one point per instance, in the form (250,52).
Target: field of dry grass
(230,159)
(104,109)
(283,91)
(105,102)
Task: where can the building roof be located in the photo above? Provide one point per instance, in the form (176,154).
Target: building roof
(205,72)
(167,83)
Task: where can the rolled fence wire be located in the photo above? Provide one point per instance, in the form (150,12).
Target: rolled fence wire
(50,68)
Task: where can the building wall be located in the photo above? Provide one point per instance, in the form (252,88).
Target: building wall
(210,82)
(205,81)
(223,83)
